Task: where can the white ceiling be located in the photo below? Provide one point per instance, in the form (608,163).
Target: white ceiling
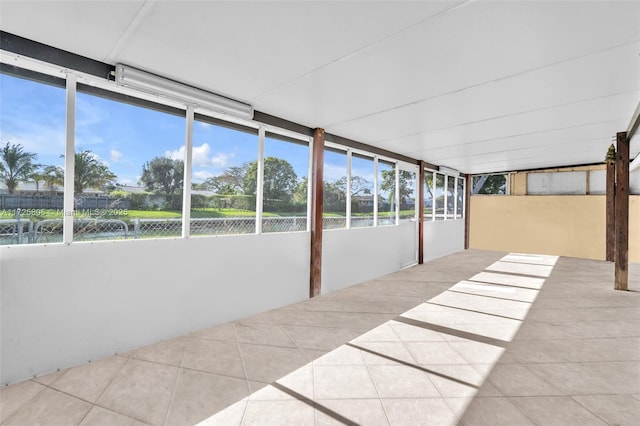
(478,86)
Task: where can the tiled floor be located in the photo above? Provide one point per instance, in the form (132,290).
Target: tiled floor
(476,338)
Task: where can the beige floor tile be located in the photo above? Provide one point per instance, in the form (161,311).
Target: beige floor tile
(494,412)
(478,352)
(259,334)
(101,417)
(424,411)
(399,381)
(414,333)
(213,357)
(224,332)
(385,353)
(532,283)
(382,333)
(435,353)
(320,338)
(168,352)
(460,381)
(518,294)
(88,381)
(518,380)
(267,363)
(333,412)
(343,382)
(343,355)
(542,271)
(619,410)
(47,379)
(298,384)
(198,395)
(230,416)
(142,390)
(50,408)
(278,413)
(17,395)
(255,386)
(556,411)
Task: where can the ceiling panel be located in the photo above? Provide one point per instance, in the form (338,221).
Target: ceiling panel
(480,86)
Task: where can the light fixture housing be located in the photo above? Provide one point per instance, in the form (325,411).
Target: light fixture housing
(150,83)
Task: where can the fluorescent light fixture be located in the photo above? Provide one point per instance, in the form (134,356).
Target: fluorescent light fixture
(163,87)
(448,171)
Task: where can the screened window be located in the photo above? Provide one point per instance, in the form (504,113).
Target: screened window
(489,184)
(429,190)
(407,194)
(129,171)
(460,199)
(451,196)
(335,189)
(439,196)
(286,167)
(32,140)
(362,193)
(223,180)
(386,194)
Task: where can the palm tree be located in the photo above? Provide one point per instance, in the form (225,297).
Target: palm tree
(90,172)
(53,176)
(16,165)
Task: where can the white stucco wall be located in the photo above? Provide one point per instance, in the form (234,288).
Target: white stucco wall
(443,237)
(351,256)
(62,305)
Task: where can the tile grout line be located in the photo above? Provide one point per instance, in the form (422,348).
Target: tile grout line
(244,371)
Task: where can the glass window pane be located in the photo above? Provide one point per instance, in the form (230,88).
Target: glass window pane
(285,185)
(335,189)
(439,196)
(386,193)
(361,191)
(427,210)
(451,196)
(407,194)
(129,171)
(490,184)
(224,172)
(32,140)
(461,198)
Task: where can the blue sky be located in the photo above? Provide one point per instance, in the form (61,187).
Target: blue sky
(124,136)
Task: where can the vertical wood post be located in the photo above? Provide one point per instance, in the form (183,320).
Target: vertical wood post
(317,180)
(420,208)
(611,205)
(622,213)
(467,209)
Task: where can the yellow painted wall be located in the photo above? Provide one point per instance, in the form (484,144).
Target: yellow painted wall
(565,225)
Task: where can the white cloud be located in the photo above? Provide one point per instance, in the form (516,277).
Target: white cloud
(116,155)
(201,176)
(202,156)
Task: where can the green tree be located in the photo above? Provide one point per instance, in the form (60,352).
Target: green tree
(300,193)
(163,175)
(90,172)
(53,177)
(489,184)
(388,184)
(280,180)
(230,182)
(16,165)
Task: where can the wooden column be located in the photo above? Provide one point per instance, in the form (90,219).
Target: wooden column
(622,213)
(610,201)
(317,187)
(467,210)
(420,208)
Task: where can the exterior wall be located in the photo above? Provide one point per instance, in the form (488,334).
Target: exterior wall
(443,237)
(63,305)
(565,225)
(350,256)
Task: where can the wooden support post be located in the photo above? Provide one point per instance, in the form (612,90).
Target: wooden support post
(622,213)
(420,208)
(467,209)
(611,204)
(317,182)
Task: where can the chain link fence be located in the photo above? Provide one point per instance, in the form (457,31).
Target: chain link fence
(16,231)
